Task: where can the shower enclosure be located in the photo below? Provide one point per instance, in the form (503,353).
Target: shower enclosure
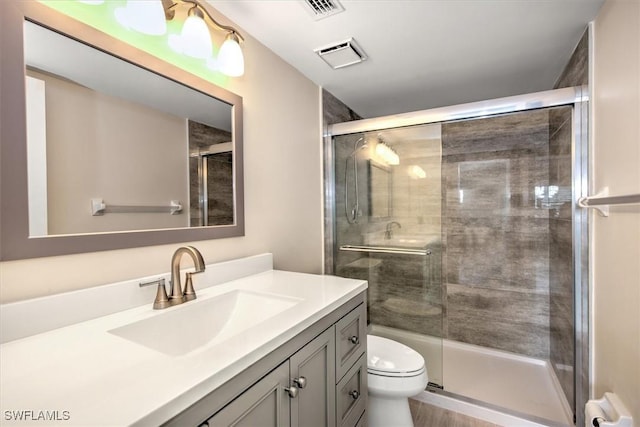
(210,176)
(463,221)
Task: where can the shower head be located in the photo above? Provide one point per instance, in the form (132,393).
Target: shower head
(356,148)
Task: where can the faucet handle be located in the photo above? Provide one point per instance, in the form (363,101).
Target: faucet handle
(162,300)
(189,292)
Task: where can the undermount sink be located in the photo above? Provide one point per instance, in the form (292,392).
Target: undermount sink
(204,322)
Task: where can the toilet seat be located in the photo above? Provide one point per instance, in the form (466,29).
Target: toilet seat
(388,358)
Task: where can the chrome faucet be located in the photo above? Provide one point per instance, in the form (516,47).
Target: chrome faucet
(177,296)
(389,233)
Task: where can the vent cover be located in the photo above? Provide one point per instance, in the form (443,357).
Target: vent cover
(320,9)
(342,54)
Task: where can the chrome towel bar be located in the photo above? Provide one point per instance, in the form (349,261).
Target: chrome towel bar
(99,207)
(385,250)
(602,201)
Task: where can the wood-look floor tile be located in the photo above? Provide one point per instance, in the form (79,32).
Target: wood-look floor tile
(425,415)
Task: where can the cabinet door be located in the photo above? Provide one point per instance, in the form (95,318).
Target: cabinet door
(265,404)
(313,373)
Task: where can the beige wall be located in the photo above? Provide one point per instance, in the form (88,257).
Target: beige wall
(283,205)
(616,240)
(100,146)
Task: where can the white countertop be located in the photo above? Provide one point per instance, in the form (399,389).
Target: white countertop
(84,375)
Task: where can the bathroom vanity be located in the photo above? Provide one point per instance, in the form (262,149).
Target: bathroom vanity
(279,347)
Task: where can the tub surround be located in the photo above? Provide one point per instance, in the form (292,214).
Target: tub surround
(100,378)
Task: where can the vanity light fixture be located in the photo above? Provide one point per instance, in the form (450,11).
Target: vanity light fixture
(150,16)
(387,154)
(195,39)
(143,16)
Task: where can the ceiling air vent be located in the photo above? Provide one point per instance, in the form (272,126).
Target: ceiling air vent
(320,9)
(341,54)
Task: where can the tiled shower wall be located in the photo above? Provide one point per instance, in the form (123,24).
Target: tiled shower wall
(496,232)
(561,286)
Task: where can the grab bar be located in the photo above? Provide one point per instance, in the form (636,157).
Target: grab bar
(385,250)
(99,207)
(602,201)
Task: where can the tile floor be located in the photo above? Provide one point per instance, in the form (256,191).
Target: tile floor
(425,415)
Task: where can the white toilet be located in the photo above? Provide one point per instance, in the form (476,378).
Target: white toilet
(395,372)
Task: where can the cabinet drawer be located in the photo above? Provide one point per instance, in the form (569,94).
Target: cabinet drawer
(351,394)
(351,339)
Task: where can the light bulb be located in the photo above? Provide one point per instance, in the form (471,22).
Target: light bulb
(230,58)
(195,40)
(143,16)
(387,154)
(417,172)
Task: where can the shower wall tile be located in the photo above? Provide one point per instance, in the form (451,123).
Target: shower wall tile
(336,111)
(407,293)
(506,320)
(576,72)
(495,231)
(561,295)
(485,255)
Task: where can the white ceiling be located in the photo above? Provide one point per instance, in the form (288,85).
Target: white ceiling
(423,53)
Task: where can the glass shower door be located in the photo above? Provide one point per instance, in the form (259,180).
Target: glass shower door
(387,224)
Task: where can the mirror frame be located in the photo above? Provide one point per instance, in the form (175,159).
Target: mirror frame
(15,242)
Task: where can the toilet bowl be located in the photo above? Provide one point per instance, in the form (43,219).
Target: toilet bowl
(395,372)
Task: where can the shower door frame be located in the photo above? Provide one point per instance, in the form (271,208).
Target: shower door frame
(578,98)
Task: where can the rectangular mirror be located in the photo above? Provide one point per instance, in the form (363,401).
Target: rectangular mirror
(109,152)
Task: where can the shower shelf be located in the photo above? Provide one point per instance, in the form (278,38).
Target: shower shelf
(385,250)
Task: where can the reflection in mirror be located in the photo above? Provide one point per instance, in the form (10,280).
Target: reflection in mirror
(114,147)
(380,188)
(210,175)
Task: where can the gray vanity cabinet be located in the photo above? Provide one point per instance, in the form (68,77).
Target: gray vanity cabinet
(264,404)
(313,373)
(298,393)
(319,380)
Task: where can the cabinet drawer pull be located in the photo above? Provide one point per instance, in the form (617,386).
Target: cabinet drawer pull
(292,391)
(300,382)
(355,394)
(354,340)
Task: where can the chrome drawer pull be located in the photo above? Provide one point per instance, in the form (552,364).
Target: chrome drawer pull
(300,382)
(354,340)
(355,394)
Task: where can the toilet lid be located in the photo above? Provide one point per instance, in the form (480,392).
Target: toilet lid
(388,356)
